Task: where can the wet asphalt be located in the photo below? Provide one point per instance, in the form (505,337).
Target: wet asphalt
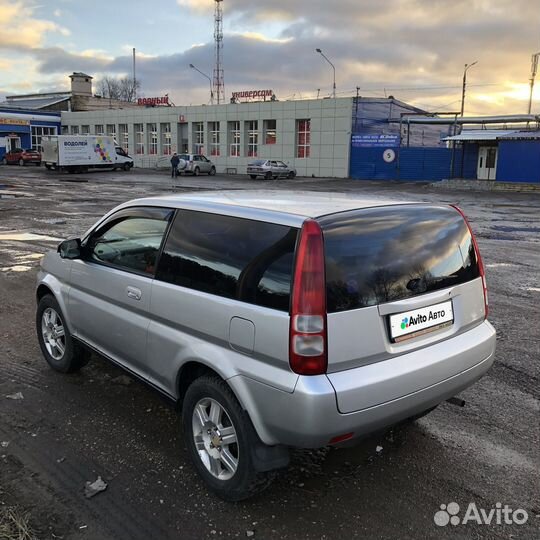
(69,429)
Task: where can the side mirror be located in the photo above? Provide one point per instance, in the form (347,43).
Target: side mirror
(70,249)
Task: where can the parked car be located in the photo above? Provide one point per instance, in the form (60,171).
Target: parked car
(276,319)
(195,164)
(269,168)
(22,157)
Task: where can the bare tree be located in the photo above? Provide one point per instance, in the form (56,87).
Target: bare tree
(129,88)
(123,89)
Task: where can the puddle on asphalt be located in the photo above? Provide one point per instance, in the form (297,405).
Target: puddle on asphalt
(25,237)
(30,256)
(17,268)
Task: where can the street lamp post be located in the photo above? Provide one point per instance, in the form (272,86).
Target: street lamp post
(333,67)
(209,80)
(467,66)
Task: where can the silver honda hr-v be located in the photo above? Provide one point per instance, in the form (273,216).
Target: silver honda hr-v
(274,319)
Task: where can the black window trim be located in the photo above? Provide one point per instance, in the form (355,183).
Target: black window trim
(130,211)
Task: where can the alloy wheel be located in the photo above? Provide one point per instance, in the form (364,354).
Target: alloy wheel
(53,332)
(215,439)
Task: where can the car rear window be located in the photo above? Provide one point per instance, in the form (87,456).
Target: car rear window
(258,162)
(232,257)
(390,253)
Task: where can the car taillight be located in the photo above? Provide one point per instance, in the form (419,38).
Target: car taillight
(307,334)
(479,259)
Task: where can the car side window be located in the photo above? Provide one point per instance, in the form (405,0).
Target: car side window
(130,242)
(236,258)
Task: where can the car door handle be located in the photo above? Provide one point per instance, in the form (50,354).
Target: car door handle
(134,293)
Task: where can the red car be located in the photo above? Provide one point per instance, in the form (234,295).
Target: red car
(22,157)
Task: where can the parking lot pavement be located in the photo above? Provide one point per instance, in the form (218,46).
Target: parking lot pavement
(67,430)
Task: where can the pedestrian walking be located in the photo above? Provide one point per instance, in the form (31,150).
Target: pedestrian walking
(175,160)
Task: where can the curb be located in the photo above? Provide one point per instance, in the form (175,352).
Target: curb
(487,185)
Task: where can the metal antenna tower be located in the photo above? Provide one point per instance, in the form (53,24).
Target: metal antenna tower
(219,85)
(534,69)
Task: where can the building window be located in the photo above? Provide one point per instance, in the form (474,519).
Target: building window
(213,128)
(270,132)
(74,130)
(198,137)
(40,131)
(98,129)
(111,130)
(139,138)
(303,138)
(85,130)
(166,139)
(234,139)
(252,128)
(124,136)
(152,138)
(65,130)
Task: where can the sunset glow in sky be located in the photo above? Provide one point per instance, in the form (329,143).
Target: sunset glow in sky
(414,50)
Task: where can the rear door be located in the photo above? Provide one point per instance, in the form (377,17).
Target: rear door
(110,290)
(221,295)
(205,164)
(399,278)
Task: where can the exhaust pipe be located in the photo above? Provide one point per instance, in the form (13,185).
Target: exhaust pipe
(458,402)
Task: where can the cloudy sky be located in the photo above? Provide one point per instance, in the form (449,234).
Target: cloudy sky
(412,49)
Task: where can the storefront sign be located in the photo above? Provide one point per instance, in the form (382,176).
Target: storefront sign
(375,141)
(153,101)
(250,94)
(14,122)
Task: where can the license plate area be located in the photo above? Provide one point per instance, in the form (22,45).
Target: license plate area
(417,322)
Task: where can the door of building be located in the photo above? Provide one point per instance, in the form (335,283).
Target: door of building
(13,143)
(487,163)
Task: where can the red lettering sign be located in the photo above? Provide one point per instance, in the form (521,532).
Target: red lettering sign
(250,94)
(153,101)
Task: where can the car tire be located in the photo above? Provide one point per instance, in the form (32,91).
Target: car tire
(196,171)
(209,406)
(59,349)
(291,175)
(21,162)
(212,171)
(127,167)
(38,164)
(253,176)
(268,176)
(4,161)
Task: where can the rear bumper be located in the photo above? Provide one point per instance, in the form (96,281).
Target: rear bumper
(309,417)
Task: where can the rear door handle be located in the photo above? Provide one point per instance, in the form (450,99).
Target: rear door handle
(134,293)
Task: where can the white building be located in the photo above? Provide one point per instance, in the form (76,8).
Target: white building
(312,135)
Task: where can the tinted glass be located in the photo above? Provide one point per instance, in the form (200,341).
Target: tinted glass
(395,252)
(131,242)
(236,258)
